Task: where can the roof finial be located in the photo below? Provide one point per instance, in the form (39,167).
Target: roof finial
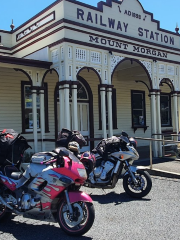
(12,26)
(177,28)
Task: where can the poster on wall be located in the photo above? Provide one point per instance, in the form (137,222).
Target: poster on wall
(31,120)
(141,120)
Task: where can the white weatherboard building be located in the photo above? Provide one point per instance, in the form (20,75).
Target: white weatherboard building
(99,70)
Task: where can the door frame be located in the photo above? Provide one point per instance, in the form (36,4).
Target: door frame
(91,115)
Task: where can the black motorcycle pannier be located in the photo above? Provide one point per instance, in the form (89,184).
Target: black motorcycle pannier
(64,138)
(12,147)
(107,146)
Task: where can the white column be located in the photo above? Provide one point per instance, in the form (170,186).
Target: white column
(178,106)
(42,119)
(66,107)
(74,107)
(159,123)
(110,122)
(103,111)
(153,122)
(34,111)
(175,114)
(61,107)
(172,111)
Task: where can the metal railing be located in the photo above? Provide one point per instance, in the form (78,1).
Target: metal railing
(157,140)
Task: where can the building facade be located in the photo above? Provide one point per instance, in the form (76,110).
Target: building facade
(99,70)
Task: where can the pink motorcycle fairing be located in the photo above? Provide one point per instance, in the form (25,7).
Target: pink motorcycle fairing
(79,196)
(10,183)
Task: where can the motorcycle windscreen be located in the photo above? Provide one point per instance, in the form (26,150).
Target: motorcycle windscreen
(71,155)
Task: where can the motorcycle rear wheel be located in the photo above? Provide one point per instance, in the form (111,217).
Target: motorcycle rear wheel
(143,186)
(82,220)
(4,215)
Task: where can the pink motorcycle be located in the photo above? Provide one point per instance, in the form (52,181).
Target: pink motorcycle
(47,190)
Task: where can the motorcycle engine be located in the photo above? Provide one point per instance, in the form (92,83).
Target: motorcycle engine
(27,202)
(102,171)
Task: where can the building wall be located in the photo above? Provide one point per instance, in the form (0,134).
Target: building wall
(124,83)
(10,99)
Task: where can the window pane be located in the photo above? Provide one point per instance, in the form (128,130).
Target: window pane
(165,110)
(85,117)
(137,100)
(138,108)
(28,97)
(81,92)
(138,117)
(28,108)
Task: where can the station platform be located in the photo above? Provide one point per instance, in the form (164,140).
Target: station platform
(166,166)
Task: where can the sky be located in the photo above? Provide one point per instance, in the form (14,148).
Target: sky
(165,11)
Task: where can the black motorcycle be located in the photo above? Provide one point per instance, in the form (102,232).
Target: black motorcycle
(111,160)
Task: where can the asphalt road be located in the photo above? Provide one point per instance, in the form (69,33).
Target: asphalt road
(155,217)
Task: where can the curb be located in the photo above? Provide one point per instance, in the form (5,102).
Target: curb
(157,172)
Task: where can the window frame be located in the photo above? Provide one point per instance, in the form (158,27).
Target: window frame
(170,111)
(45,88)
(136,126)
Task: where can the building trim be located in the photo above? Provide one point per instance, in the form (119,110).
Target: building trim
(25,62)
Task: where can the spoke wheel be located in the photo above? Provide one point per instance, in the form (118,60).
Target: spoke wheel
(139,189)
(80,222)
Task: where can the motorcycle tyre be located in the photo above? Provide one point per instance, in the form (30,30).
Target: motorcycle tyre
(4,215)
(74,232)
(138,194)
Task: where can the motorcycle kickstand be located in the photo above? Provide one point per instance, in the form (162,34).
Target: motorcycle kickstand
(104,191)
(131,173)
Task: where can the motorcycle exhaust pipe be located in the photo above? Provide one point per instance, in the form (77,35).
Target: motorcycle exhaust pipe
(5,203)
(8,206)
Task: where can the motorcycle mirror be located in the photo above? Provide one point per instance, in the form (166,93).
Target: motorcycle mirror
(124,134)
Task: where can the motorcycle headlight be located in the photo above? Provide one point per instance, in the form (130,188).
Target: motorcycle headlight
(82,172)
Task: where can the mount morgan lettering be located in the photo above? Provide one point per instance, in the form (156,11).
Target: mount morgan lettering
(124,46)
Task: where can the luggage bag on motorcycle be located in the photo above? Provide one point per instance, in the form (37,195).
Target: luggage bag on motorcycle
(107,146)
(66,136)
(12,146)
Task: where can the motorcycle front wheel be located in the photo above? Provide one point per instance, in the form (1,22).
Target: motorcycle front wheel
(81,221)
(139,189)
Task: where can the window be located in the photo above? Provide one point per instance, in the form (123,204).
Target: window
(27,111)
(165,108)
(138,109)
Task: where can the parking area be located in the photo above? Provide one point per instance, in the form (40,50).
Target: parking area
(118,216)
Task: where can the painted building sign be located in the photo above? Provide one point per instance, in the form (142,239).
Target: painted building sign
(123,27)
(128,47)
(120,18)
(36,25)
